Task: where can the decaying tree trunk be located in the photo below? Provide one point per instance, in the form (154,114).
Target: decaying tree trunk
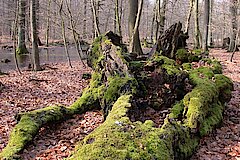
(123,85)
(172,40)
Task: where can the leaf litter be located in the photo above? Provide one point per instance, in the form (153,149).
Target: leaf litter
(58,84)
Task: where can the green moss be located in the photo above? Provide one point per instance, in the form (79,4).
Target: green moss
(225,87)
(214,117)
(91,95)
(199,75)
(187,66)
(214,64)
(168,64)
(177,110)
(118,138)
(28,127)
(115,87)
(182,55)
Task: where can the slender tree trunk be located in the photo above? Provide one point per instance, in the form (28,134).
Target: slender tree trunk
(210,37)
(233,10)
(135,10)
(14,31)
(22,49)
(77,45)
(196,27)
(95,17)
(48,27)
(85,19)
(35,51)
(187,25)
(162,17)
(64,33)
(206,22)
(157,18)
(153,21)
(118,18)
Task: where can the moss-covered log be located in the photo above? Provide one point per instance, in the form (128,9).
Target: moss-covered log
(195,116)
(122,83)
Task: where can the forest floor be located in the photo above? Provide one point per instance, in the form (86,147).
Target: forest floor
(59,84)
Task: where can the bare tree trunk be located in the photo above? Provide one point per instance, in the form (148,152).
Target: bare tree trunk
(22,49)
(210,37)
(77,45)
(135,10)
(64,33)
(153,20)
(48,27)
(206,22)
(118,18)
(157,18)
(95,17)
(14,39)
(35,51)
(85,19)
(233,10)
(163,17)
(187,25)
(196,27)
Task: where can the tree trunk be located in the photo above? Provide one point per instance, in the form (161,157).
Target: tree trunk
(64,33)
(210,35)
(85,19)
(206,23)
(196,27)
(118,18)
(48,28)
(75,38)
(22,49)
(153,22)
(135,10)
(233,10)
(95,17)
(187,25)
(163,17)
(35,51)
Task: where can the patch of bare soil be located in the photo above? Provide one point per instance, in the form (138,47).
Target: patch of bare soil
(224,143)
(58,84)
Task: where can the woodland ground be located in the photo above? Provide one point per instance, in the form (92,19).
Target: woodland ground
(63,85)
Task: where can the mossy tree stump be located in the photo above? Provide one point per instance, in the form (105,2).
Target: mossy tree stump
(123,83)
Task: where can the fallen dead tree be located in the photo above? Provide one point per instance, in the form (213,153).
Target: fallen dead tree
(124,85)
